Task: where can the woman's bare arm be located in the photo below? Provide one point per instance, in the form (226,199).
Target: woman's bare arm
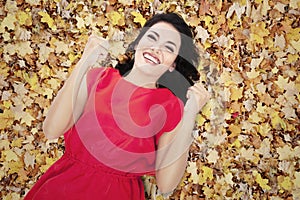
(173,147)
(71,98)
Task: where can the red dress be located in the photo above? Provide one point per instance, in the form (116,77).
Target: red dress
(113,143)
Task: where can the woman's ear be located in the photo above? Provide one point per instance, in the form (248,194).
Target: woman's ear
(172,68)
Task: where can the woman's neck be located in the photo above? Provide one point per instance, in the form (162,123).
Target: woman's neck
(141,79)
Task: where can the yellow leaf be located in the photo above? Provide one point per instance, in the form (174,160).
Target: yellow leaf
(44,52)
(80,22)
(247,153)
(47,19)
(49,162)
(209,192)
(256,38)
(237,8)
(294,4)
(296,181)
(276,121)
(200,120)
(10,155)
(194,21)
(206,174)
(255,118)
(263,183)
(279,41)
(228,178)
(260,108)
(115,18)
(207,20)
(44,72)
(24,18)
(15,166)
(206,110)
(27,119)
(17,142)
(235,130)
(12,196)
(29,159)
(4,144)
(54,83)
(8,22)
(24,48)
(213,156)
(285,182)
(252,74)
(34,2)
(7,104)
(282,82)
(226,78)
(6,119)
(236,93)
(61,47)
(202,34)
(258,32)
(296,44)
(73,57)
(48,92)
(292,58)
(236,144)
(192,169)
(138,18)
(285,152)
(101,20)
(32,79)
(293,34)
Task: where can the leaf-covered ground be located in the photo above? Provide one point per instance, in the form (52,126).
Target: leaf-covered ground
(248,141)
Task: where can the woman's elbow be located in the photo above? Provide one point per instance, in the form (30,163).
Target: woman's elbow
(165,186)
(165,189)
(49,131)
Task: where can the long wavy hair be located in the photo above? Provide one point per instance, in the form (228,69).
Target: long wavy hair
(186,63)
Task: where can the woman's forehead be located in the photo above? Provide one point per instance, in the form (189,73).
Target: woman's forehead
(164,27)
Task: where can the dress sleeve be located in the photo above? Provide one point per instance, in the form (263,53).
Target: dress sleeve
(174,115)
(93,76)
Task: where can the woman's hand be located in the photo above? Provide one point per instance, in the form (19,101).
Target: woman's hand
(197,97)
(95,50)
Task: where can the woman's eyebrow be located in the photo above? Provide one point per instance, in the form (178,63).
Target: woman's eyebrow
(157,35)
(170,42)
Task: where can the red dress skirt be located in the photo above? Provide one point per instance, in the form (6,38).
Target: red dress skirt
(113,143)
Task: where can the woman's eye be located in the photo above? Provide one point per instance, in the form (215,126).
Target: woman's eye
(170,49)
(151,37)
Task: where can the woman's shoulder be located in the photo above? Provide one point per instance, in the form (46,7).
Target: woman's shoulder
(98,70)
(169,97)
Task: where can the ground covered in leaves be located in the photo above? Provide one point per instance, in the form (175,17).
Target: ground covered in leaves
(247,145)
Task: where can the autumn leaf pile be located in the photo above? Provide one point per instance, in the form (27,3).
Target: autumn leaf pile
(247,142)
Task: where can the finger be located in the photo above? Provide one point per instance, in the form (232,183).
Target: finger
(200,94)
(188,94)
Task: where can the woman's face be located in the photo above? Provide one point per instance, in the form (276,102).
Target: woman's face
(157,49)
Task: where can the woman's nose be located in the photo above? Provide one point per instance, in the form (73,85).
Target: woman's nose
(156,49)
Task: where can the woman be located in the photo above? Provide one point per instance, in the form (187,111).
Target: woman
(121,123)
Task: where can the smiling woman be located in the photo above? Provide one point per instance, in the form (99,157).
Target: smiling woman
(119,125)
(187,58)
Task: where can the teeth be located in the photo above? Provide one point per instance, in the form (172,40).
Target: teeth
(151,58)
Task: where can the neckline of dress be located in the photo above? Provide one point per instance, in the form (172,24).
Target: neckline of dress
(136,86)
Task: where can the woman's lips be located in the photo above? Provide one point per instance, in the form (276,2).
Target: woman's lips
(151,58)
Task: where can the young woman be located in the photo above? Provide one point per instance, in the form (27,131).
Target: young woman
(121,123)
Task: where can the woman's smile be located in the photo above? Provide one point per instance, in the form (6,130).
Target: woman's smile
(151,58)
